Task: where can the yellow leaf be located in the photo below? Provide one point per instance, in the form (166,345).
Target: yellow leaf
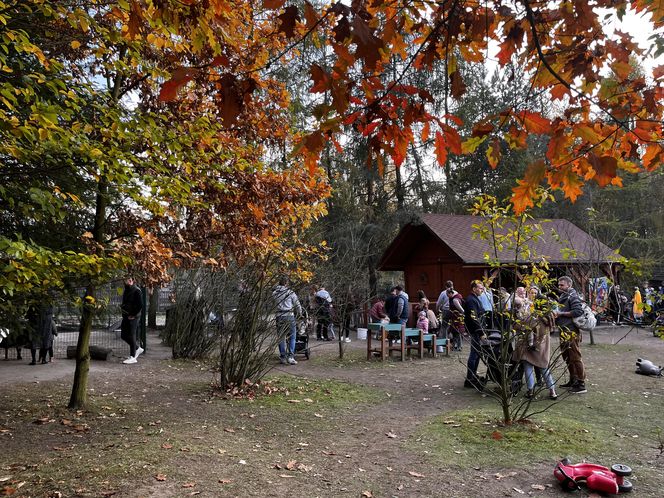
(469,146)
(75,44)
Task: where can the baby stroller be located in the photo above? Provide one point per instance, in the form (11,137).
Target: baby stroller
(302,327)
(491,355)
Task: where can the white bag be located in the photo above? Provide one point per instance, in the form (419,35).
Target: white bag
(587,321)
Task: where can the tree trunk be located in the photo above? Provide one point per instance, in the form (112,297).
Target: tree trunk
(79,391)
(153,308)
(399,189)
(426,206)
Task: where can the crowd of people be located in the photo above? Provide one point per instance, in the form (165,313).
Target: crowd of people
(639,308)
(532,317)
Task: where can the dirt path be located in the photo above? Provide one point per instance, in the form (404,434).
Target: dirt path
(161,421)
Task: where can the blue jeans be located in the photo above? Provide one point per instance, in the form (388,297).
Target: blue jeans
(530,376)
(473,358)
(286,330)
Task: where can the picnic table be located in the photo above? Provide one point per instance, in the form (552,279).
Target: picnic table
(397,337)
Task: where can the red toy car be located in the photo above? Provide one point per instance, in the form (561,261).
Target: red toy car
(597,477)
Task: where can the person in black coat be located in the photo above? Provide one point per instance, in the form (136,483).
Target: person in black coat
(40,332)
(132,305)
(473,312)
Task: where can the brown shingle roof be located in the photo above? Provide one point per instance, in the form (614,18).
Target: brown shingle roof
(559,237)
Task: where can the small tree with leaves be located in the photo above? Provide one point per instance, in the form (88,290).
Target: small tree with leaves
(511,238)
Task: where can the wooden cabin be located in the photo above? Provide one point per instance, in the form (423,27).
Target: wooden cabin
(441,247)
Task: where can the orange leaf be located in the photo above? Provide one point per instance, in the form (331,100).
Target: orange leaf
(535,123)
(453,139)
(180,77)
(134,23)
(369,128)
(426,129)
(441,149)
(653,157)
(310,15)
(273,4)
(493,153)
(605,168)
(587,133)
(524,193)
(570,183)
(458,85)
(496,435)
(559,91)
(622,70)
(320,78)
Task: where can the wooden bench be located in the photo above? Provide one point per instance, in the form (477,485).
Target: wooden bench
(431,344)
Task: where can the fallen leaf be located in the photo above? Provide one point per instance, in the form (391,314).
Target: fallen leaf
(415,474)
(538,487)
(367,494)
(242,462)
(391,435)
(189,485)
(291,464)
(166,446)
(318,415)
(520,491)
(496,435)
(294,401)
(286,476)
(308,400)
(228,429)
(64,421)
(160,477)
(225,481)
(41,421)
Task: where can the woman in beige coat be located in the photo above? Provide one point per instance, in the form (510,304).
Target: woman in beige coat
(533,348)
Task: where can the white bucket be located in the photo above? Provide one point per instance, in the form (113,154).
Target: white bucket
(361,334)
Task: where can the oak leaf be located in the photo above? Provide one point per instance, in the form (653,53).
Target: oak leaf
(440,148)
(289,19)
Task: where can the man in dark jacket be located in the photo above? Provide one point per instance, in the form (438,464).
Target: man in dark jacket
(570,336)
(473,312)
(132,305)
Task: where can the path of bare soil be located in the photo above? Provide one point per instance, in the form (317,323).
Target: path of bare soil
(156,430)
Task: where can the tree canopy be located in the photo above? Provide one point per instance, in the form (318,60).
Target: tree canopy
(609,124)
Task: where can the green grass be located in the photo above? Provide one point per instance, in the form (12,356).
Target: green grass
(474,438)
(302,394)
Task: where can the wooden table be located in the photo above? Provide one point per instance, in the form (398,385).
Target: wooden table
(389,333)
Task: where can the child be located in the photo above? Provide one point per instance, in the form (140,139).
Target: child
(423,321)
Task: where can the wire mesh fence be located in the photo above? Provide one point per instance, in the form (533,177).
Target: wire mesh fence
(105,328)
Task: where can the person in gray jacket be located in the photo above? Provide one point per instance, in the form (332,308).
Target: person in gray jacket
(288,306)
(570,307)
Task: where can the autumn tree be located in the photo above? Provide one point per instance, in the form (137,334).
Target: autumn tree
(155,185)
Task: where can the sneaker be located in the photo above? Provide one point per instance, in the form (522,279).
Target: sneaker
(291,361)
(347,339)
(283,361)
(130,360)
(568,384)
(529,394)
(139,351)
(579,388)
(552,394)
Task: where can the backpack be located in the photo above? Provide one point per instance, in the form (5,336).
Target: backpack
(587,321)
